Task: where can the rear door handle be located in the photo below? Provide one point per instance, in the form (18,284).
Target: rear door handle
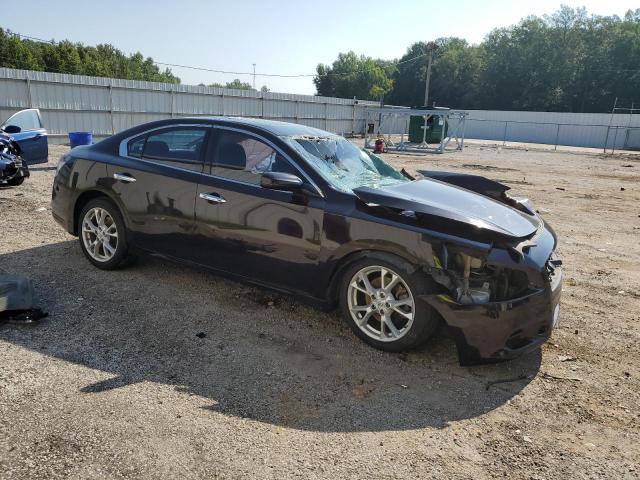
(212,197)
(123,177)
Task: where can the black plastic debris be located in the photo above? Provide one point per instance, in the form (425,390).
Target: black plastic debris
(16,300)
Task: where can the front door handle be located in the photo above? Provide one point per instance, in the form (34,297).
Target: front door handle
(123,177)
(212,197)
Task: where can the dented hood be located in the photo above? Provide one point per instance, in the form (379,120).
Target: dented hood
(438,199)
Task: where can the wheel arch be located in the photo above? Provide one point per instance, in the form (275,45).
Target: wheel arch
(85,197)
(349,259)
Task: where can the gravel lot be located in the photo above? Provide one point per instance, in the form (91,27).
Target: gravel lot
(161,370)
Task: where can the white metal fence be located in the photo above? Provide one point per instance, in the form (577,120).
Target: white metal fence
(105,105)
(598,130)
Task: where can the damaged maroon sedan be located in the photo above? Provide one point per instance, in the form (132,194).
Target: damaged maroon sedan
(306,212)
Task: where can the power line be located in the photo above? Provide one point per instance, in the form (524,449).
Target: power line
(231,72)
(31,38)
(308,75)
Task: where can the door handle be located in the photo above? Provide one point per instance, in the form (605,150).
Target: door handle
(123,177)
(38,136)
(212,197)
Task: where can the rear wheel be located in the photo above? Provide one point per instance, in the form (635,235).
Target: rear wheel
(102,234)
(379,300)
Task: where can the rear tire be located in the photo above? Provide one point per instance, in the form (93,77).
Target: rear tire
(102,234)
(385,310)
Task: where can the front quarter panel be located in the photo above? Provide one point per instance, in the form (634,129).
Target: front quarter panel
(350,227)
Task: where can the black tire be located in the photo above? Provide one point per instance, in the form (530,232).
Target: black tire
(425,319)
(121,256)
(16,182)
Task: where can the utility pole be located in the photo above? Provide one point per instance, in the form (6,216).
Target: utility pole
(254,76)
(431,47)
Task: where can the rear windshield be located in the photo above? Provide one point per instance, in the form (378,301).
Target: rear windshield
(344,165)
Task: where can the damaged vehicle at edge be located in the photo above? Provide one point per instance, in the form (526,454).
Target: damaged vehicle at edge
(13,169)
(23,141)
(306,212)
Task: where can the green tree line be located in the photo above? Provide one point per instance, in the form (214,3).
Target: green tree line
(100,61)
(568,61)
(76,58)
(238,85)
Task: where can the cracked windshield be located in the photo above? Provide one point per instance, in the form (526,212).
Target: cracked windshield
(343,164)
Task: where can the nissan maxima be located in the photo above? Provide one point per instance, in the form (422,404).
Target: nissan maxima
(306,212)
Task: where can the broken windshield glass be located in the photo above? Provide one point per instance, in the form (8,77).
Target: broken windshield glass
(344,165)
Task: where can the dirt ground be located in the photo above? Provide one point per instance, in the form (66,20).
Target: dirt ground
(163,371)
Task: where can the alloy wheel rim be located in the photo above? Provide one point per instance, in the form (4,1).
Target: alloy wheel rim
(381,303)
(99,234)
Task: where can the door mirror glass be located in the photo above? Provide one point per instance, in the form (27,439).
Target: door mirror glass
(280,181)
(12,129)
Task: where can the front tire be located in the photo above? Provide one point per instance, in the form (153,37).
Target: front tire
(15,182)
(102,234)
(379,300)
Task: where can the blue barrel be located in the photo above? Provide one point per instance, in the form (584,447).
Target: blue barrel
(80,138)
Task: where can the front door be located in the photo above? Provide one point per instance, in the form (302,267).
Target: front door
(265,235)
(156,179)
(31,137)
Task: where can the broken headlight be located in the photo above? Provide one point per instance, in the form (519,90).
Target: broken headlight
(472,281)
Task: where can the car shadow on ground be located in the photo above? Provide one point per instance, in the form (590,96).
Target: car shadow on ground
(247,352)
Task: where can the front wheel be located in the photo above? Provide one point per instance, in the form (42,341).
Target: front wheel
(16,182)
(102,234)
(379,300)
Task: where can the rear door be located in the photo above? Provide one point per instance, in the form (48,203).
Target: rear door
(156,179)
(268,236)
(32,136)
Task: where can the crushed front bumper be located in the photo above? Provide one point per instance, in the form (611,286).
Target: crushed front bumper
(501,330)
(12,170)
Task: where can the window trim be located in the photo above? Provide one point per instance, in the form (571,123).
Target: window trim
(272,145)
(123,147)
(146,135)
(123,151)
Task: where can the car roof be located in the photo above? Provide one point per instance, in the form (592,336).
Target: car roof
(272,126)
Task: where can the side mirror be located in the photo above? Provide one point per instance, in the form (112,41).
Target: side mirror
(12,129)
(280,181)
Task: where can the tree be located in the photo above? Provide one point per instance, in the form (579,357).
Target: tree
(238,85)
(350,75)
(235,83)
(67,57)
(567,61)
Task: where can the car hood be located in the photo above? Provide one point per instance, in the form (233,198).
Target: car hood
(438,199)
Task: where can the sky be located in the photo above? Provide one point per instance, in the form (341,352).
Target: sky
(281,37)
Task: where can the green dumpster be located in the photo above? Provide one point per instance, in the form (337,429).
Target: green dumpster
(435,127)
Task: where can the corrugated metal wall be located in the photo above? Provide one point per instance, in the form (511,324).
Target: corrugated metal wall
(105,105)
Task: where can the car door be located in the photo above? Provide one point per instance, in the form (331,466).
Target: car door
(156,179)
(26,129)
(268,236)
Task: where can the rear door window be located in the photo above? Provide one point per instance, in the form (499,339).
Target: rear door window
(182,146)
